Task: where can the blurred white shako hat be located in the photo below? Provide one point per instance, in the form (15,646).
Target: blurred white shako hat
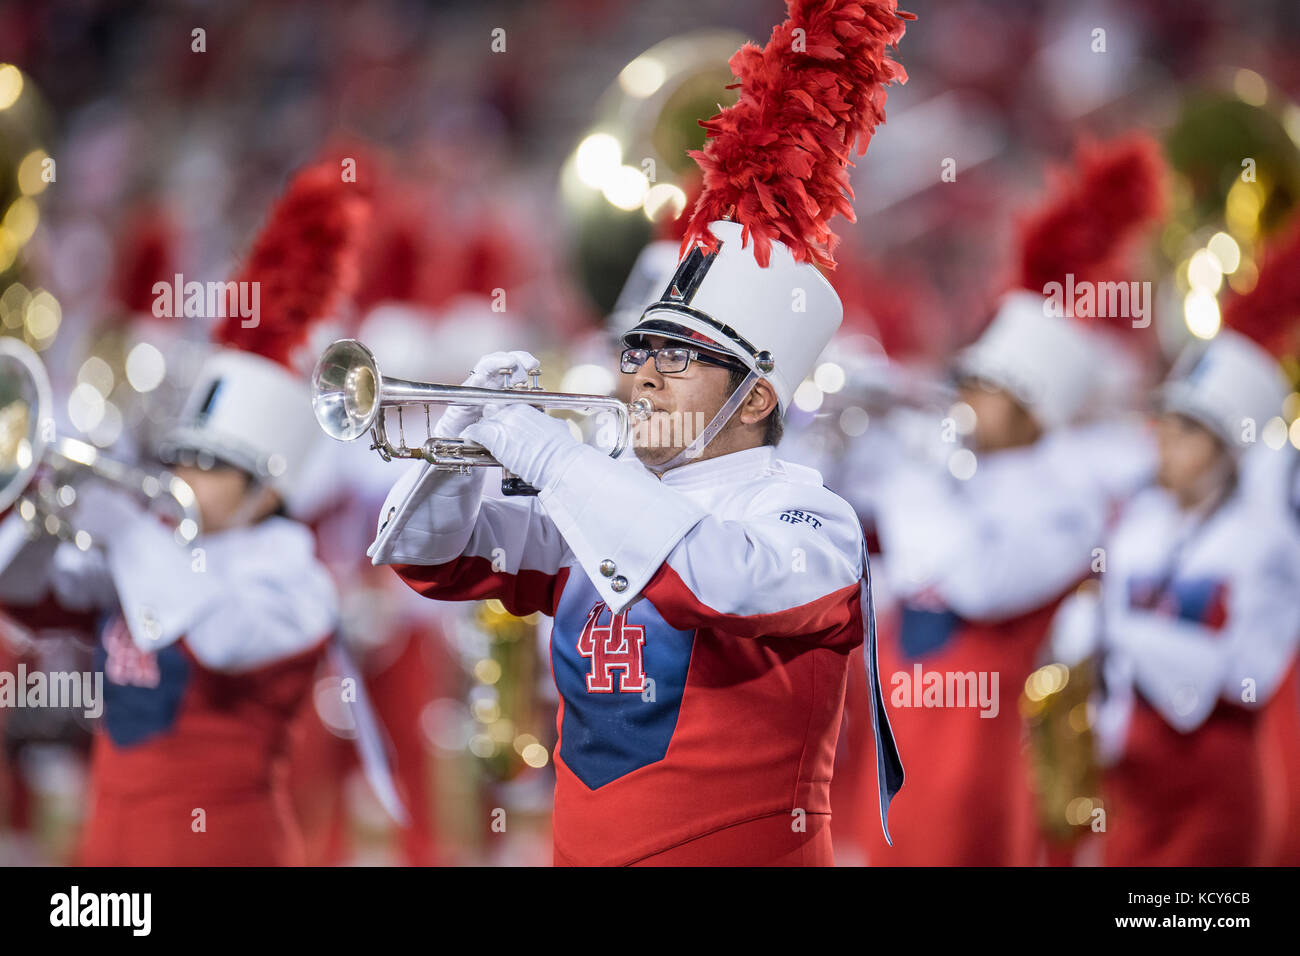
(1047,363)
(1041,346)
(249,406)
(1235,385)
(1230,385)
(775,171)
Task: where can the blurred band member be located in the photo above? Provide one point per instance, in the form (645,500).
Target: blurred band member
(1197,623)
(207,652)
(981,543)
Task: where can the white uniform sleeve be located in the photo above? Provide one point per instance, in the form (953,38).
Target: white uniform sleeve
(1076,627)
(449,542)
(799,550)
(987,557)
(241,599)
(1184,668)
(276,599)
(427,517)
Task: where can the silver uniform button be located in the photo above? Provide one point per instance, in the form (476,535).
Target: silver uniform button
(608,567)
(618,585)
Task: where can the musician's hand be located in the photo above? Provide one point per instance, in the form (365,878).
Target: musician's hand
(105,512)
(527,442)
(486,374)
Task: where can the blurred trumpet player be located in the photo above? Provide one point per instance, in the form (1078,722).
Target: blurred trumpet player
(208,651)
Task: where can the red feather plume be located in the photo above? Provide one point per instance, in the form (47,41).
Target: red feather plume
(145,256)
(1115,190)
(1270,312)
(777,160)
(306,261)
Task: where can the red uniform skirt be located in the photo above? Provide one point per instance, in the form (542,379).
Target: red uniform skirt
(1193,799)
(235,829)
(766,841)
(967,799)
(1280,759)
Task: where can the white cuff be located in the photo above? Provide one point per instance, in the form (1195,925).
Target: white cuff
(620,522)
(428,517)
(1179,670)
(161,591)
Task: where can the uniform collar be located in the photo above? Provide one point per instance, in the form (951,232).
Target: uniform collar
(725,469)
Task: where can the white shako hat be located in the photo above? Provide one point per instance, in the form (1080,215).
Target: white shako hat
(1047,363)
(1039,347)
(1230,385)
(250,412)
(775,319)
(249,407)
(775,168)
(651,272)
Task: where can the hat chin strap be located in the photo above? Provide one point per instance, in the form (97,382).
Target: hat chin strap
(696,448)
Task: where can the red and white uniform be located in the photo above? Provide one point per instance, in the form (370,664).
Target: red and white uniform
(206,654)
(703,626)
(1199,621)
(978,568)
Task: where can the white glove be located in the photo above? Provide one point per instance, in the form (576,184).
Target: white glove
(486,374)
(527,442)
(106,513)
(1077,630)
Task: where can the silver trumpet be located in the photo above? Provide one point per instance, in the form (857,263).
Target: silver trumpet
(40,470)
(351,397)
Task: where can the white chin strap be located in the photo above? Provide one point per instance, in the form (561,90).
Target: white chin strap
(696,448)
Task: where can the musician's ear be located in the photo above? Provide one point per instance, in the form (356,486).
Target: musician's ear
(761,402)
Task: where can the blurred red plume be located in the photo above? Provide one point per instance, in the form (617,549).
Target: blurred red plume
(145,256)
(305,261)
(1097,209)
(1270,312)
(777,161)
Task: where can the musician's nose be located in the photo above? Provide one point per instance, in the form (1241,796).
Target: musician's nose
(648,377)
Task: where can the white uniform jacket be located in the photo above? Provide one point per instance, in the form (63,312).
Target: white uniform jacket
(696,618)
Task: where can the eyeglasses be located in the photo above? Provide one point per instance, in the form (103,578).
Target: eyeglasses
(670,360)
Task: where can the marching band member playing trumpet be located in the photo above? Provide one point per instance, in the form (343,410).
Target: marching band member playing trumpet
(706,595)
(208,653)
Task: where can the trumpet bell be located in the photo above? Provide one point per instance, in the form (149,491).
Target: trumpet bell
(24,405)
(346,389)
(28,442)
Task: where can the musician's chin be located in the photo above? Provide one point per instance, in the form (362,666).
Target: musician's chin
(654,454)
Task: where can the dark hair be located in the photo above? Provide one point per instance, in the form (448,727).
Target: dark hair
(775,426)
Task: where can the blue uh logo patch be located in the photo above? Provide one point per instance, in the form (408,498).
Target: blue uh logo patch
(622,677)
(142,691)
